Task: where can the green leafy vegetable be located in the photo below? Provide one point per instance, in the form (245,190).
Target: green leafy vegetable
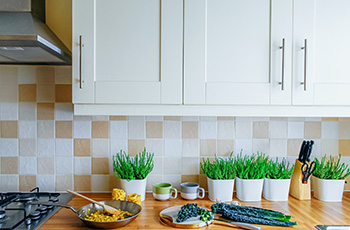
(331,169)
(251,167)
(220,169)
(193,210)
(133,168)
(279,170)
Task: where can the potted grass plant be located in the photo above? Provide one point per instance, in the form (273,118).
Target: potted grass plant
(221,175)
(329,178)
(133,171)
(277,181)
(251,171)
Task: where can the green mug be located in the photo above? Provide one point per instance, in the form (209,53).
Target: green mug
(164,191)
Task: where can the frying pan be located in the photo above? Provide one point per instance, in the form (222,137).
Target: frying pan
(133,208)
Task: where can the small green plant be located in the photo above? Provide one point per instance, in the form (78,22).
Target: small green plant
(251,167)
(220,169)
(331,169)
(133,168)
(279,170)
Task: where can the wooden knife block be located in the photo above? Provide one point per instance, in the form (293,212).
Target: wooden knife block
(297,188)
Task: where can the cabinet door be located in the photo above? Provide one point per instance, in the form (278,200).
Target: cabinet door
(227,49)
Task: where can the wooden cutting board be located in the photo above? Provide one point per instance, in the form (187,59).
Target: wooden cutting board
(193,222)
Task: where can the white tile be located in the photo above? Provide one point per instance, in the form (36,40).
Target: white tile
(64,147)
(27,165)
(190,118)
(82,129)
(82,118)
(260,118)
(46,182)
(63,75)
(82,165)
(291,159)
(100,147)
(153,179)
(190,147)
(244,119)
(172,165)
(190,165)
(9,183)
(205,118)
(46,129)
(26,75)
(46,147)
(9,93)
(278,147)
(63,111)
(244,145)
(300,119)
(173,147)
(243,129)
(295,130)
(330,129)
(8,75)
(261,146)
(64,165)
(226,129)
(136,129)
(174,180)
(344,130)
(100,183)
(27,147)
(158,165)
(136,118)
(154,118)
(345,160)
(119,144)
(27,129)
(155,146)
(278,129)
(100,118)
(27,111)
(313,118)
(207,130)
(172,129)
(9,111)
(118,129)
(329,147)
(316,148)
(8,147)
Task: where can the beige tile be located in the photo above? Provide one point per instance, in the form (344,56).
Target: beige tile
(172,118)
(46,111)
(344,147)
(82,183)
(82,147)
(9,93)
(9,165)
(46,129)
(27,147)
(100,129)
(312,129)
(293,147)
(135,146)
(64,182)
(226,118)
(46,165)
(190,178)
(154,129)
(118,118)
(45,75)
(8,75)
(9,129)
(27,93)
(64,129)
(203,182)
(344,119)
(208,147)
(344,130)
(27,182)
(329,118)
(63,93)
(261,129)
(63,75)
(278,118)
(225,147)
(45,93)
(114,182)
(190,129)
(100,165)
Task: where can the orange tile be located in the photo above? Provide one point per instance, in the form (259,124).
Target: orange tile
(154,129)
(344,147)
(203,181)
(45,93)
(114,182)
(330,119)
(118,118)
(27,182)
(46,111)
(100,165)
(82,147)
(9,165)
(64,129)
(63,93)
(82,183)
(27,93)
(190,178)
(9,129)
(100,129)
(45,75)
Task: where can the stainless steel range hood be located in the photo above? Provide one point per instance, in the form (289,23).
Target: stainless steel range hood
(26,39)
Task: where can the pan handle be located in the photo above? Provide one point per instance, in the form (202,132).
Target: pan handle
(54,204)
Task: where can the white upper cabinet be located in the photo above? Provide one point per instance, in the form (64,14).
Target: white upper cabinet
(127,51)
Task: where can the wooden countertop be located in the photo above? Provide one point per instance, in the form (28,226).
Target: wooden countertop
(306,213)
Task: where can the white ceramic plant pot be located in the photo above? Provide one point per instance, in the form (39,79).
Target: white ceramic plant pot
(134,186)
(249,189)
(328,190)
(220,190)
(276,189)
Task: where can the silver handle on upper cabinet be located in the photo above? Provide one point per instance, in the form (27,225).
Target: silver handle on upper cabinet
(282,48)
(305,64)
(81,81)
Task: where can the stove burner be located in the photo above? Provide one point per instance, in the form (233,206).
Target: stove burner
(27,197)
(54,199)
(2,214)
(42,209)
(34,215)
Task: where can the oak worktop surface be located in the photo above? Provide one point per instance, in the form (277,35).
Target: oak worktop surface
(306,213)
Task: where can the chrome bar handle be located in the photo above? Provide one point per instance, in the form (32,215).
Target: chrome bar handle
(282,48)
(81,81)
(305,64)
